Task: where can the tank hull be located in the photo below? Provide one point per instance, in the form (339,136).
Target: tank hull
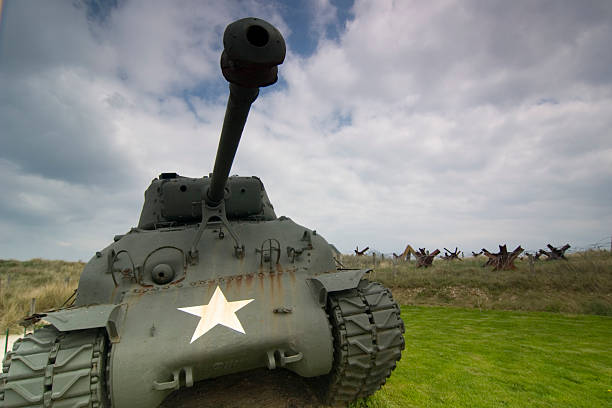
(281,320)
(159,339)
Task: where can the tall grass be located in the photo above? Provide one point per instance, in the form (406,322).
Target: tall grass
(582,284)
(50,282)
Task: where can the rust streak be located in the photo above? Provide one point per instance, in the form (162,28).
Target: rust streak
(239,282)
(113,294)
(177,281)
(211,285)
(260,277)
(279,283)
(272,292)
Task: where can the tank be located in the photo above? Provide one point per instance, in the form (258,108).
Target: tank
(211,282)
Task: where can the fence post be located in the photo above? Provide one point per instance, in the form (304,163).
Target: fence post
(531,267)
(33,306)
(6,341)
(374,259)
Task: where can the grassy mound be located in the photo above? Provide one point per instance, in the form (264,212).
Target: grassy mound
(582,284)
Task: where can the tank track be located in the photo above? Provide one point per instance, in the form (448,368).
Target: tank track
(49,368)
(368,341)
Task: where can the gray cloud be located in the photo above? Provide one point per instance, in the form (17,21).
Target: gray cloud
(54,125)
(437,124)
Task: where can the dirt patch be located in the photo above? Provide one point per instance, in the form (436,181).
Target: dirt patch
(258,388)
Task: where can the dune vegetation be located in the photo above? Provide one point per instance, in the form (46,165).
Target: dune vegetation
(580,285)
(49,282)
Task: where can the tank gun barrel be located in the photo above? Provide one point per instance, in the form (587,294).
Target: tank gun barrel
(253,49)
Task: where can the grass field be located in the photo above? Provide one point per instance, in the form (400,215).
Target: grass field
(467,358)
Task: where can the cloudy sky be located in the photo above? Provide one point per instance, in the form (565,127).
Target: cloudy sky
(439,124)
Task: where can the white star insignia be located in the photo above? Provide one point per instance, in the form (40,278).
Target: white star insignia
(217,311)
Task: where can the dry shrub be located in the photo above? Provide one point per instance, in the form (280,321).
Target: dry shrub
(49,282)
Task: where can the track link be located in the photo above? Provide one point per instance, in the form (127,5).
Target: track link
(49,368)
(368,341)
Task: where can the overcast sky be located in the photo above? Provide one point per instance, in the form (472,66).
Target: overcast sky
(436,124)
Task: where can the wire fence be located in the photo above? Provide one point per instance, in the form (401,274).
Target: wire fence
(603,244)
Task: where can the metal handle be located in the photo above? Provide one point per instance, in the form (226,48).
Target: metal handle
(175,383)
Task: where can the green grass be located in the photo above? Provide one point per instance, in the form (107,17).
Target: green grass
(583,284)
(468,358)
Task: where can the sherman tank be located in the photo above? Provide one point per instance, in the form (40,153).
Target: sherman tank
(211,282)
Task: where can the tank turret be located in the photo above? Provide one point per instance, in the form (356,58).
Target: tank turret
(174,301)
(253,49)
